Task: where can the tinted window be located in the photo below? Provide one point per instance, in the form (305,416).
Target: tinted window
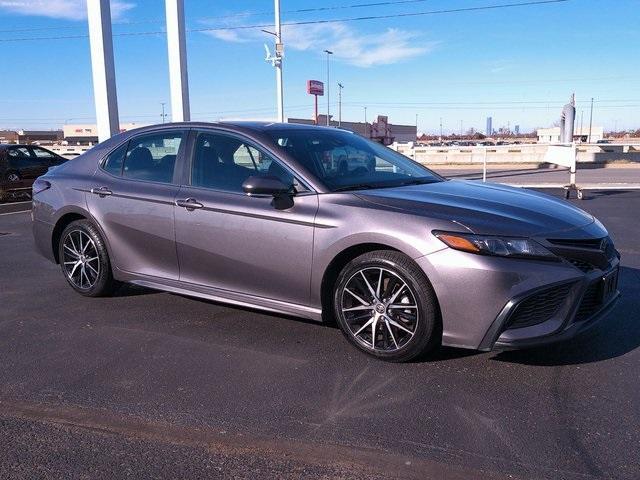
(42,153)
(113,162)
(19,152)
(343,160)
(152,157)
(223,162)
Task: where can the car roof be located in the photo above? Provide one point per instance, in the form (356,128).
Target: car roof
(255,126)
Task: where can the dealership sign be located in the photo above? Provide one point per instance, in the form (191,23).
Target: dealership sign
(315,87)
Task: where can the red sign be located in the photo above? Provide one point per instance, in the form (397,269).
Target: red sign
(315,87)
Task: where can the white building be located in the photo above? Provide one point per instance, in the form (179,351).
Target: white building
(552,135)
(88,134)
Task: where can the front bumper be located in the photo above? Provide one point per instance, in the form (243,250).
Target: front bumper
(478,296)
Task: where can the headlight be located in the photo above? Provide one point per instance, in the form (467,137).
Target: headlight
(490,245)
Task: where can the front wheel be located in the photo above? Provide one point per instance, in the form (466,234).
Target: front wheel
(386,307)
(84,260)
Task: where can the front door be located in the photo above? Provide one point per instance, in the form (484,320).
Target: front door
(133,198)
(231,241)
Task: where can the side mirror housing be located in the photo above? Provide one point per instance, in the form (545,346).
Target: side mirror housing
(265,185)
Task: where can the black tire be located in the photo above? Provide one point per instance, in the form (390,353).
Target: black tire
(426,329)
(104,283)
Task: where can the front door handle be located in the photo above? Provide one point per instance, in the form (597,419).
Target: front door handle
(189,203)
(102,191)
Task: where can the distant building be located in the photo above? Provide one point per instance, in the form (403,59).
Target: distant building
(516,130)
(489,130)
(552,135)
(30,136)
(8,136)
(88,134)
(380,130)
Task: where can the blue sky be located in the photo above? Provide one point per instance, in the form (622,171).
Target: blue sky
(518,65)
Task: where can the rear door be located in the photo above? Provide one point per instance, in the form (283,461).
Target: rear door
(241,243)
(132,199)
(22,166)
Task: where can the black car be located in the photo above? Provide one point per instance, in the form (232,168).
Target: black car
(20,165)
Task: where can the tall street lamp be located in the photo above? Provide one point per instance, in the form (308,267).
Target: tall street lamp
(328,52)
(340,87)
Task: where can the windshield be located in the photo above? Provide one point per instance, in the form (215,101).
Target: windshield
(346,161)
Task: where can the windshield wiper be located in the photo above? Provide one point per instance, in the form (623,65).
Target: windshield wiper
(417,181)
(361,186)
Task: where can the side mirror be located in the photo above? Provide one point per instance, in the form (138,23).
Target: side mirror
(265,185)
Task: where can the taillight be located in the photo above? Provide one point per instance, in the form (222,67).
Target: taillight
(40,186)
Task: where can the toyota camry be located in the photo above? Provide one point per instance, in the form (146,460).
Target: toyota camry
(324,224)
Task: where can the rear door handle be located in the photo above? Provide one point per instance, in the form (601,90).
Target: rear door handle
(102,191)
(189,204)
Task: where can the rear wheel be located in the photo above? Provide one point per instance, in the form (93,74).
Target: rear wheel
(84,260)
(386,307)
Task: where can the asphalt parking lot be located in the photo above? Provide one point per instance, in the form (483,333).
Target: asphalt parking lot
(156,385)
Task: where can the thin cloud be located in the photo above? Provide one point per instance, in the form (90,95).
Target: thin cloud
(349,45)
(61,9)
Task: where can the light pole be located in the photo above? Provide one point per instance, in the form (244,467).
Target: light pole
(365,121)
(328,52)
(590,121)
(163,115)
(340,87)
(440,129)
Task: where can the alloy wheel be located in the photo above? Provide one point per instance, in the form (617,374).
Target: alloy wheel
(380,309)
(81,260)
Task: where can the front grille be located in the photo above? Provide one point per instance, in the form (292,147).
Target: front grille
(581,264)
(590,302)
(539,307)
(585,254)
(593,243)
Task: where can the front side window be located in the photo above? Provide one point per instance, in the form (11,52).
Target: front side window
(345,161)
(19,152)
(223,162)
(152,157)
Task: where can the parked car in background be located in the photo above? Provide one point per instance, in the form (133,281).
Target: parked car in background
(20,165)
(324,224)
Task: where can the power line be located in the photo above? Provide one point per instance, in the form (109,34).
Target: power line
(236,15)
(308,22)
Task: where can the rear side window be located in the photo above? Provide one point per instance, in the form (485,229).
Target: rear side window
(113,162)
(152,157)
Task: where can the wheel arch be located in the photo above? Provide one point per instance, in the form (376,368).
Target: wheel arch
(335,266)
(59,227)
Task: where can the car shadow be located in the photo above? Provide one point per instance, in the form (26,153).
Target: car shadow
(615,335)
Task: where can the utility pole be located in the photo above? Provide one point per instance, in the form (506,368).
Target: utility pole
(276,60)
(278,64)
(590,121)
(340,87)
(440,129)
(163,115)
(581,124)
(416,125)
(460,128)
(328,52)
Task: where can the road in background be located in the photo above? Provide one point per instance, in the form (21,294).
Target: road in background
(510,174)
(156,385)
(532,175)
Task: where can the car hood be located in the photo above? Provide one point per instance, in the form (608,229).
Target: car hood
(487,208)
